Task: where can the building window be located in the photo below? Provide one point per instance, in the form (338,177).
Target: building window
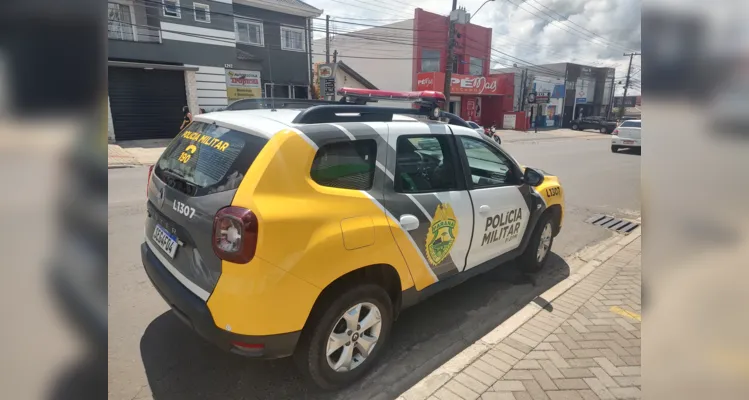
(120,22)
(292,39)
(476,67)
(301,92)
(172,9)
(202,12)
(278,91)
(249,32)
(430,60)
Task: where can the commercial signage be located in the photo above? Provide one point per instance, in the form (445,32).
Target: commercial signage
(243,84)
(326,73)
(465,84)
(542,97)
(629,101)
(581,100)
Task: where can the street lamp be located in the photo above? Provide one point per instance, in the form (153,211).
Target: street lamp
(479,9)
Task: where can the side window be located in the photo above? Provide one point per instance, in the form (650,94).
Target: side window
(424,163)
(488,166)
(345,165)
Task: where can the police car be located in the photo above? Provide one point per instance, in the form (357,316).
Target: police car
(305,232)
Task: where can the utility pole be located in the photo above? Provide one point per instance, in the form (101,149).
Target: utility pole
(626,83)
(335,56)
(450,55)
(327,39)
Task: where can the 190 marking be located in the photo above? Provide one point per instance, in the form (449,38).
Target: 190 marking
(183,209)
(551,192)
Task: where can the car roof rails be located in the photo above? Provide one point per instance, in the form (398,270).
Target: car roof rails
(353,108)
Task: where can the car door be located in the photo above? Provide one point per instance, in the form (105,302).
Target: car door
(502,203)
(427,194)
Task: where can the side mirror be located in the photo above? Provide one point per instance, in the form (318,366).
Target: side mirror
(532,177)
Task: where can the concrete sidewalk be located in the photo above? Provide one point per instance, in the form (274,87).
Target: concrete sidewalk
(578,340)
(135,152)
(561,133)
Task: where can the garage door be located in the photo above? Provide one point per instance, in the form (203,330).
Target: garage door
(146,104)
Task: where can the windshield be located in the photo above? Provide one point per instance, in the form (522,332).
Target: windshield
(631,124)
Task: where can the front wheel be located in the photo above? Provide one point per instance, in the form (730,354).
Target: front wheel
(603,130)
(535,255)
(345,336)
(614,149)
(497,139)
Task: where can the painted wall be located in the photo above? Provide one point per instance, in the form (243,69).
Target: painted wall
(282,66)
(431,33)
(386,64)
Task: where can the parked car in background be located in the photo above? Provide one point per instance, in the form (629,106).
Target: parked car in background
(626,136)
(598,123)
(476,127)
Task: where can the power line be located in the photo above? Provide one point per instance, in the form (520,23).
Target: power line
(560,26)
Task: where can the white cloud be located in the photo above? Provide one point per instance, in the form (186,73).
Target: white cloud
(597,33)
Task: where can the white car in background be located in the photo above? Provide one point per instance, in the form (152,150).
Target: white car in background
(626,135)
(476,127)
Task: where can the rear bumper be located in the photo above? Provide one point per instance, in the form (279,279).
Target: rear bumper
(617,141)
(195,313)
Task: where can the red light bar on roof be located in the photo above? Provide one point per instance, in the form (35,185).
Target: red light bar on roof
(422,96)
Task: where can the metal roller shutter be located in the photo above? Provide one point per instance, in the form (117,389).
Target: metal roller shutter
(146,104)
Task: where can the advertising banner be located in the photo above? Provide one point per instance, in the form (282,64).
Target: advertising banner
(466,84)
(243,84)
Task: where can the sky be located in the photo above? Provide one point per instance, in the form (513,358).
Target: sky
(589,32)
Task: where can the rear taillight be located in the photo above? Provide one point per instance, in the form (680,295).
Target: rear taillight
(235,234)
(616,131)
(148,182)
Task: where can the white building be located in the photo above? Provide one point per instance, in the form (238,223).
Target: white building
(384,55)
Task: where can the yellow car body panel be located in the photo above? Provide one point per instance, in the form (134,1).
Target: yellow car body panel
(313,233)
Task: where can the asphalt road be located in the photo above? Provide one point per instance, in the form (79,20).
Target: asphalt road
(153,355)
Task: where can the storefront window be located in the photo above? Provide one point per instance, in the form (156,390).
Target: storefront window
(430,60)
(476,67)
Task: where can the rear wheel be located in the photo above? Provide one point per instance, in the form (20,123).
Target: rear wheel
(603,130)
(346,336)
(575,127)
(535,255)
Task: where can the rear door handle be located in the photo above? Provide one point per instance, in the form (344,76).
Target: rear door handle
(484,209)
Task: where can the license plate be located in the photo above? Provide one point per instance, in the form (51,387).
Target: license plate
(629,142)
(165,240)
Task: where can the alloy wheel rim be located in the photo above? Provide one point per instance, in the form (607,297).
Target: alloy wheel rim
(354,337)
(545,243)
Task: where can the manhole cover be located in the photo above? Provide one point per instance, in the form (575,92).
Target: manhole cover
(613,223)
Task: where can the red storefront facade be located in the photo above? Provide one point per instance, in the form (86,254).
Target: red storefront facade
(476,94)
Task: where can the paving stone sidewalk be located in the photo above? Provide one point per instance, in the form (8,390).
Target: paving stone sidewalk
(584,344)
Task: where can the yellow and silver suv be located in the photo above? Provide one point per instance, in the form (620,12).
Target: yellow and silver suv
(305,232)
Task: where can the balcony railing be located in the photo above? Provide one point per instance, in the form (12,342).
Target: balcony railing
(118,30)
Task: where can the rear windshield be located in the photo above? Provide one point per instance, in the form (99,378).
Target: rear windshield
(206,158)
(630,124)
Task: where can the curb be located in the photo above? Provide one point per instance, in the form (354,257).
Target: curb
(122,166)
(585,261)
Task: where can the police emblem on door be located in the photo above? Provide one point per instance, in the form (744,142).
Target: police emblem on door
(442,234)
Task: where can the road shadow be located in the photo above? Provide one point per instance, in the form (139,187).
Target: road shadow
(181,366)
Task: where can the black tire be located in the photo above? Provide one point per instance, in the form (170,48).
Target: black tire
(615,149)
(497,139)
(575,127)
(529,261)
(310,355)
(603,130)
